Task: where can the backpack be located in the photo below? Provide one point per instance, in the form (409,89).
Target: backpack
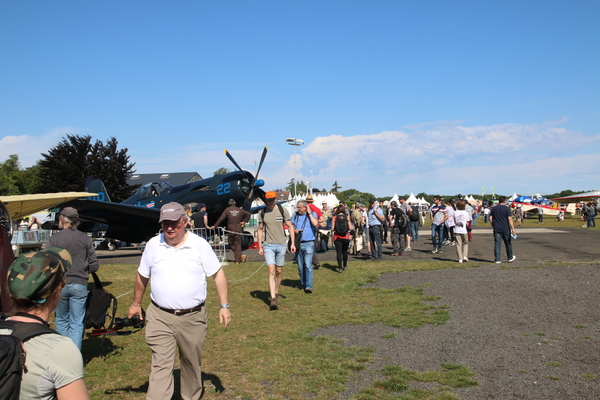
(401,220)
(96,305)
(341,224)
(356,217)
(12,354)
(414,216)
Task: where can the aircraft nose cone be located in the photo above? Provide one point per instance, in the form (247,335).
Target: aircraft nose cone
(259,183)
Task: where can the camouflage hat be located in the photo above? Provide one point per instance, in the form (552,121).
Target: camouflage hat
(34,276)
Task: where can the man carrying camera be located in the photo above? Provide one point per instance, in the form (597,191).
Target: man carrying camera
(178,263)
(305,221)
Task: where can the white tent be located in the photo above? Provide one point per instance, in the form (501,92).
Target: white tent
(412,199)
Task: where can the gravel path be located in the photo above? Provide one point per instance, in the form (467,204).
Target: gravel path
(527,333)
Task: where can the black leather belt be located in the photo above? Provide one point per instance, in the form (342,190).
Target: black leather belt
(179,312)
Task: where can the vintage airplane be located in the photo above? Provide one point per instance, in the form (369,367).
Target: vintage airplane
(136,219)
(577,198)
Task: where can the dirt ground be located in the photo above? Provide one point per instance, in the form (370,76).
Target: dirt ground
(527,333)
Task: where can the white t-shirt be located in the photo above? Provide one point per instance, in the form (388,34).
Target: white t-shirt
(461,217)
(52,361)
(178,275)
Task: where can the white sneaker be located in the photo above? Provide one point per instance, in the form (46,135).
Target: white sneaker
(408,249)
(498,262)
(512,259)
(460,261)
(465,259)
(434,251)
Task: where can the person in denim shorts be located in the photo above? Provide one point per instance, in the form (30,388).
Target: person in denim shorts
(270,225)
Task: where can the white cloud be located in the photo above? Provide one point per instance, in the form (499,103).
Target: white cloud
(30,147)
(449,158)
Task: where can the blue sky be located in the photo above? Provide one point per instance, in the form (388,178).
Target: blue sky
(389,96)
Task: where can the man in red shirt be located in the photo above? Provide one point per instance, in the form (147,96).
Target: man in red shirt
(312,207)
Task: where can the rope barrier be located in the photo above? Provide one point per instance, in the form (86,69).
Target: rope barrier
(238,233)
(250,276)
(124,294)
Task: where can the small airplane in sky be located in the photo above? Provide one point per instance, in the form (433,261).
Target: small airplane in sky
(136,219)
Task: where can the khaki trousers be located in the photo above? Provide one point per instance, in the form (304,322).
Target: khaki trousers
(462,246)
(165,333)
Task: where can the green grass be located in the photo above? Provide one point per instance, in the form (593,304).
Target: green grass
(554,364)
(398,380)
(271,354)
(549,222)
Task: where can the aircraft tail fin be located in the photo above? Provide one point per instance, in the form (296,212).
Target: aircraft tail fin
(96,186)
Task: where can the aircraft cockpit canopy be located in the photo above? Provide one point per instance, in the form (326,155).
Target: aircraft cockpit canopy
(154,189)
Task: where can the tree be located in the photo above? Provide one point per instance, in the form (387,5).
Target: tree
(351,196)
(221,171)
(67,166)
(8,176)
(300,187)
(14,180)
(335,187)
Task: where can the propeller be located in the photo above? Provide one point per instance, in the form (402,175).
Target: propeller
(233,160)
(255,190)
(262,160)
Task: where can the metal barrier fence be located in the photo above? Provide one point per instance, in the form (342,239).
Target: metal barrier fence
(215,237)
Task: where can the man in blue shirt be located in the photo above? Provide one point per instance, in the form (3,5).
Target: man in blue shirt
(305,222)
(502,223)
(376,218)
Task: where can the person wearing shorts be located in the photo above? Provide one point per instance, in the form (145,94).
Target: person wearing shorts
(270,226)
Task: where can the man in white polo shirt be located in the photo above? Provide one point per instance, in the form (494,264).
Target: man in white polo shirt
(178,263)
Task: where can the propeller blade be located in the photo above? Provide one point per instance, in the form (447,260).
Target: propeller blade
(262,159)
(232,160)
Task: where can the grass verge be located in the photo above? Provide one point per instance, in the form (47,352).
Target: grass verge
(269,354)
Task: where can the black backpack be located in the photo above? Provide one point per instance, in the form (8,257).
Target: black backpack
(96,305)
(401,220)
(414,216)
(341,224)
(12,354)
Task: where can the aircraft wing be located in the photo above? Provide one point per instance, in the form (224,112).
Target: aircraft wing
(25,204)
(576,198)
(125,222)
